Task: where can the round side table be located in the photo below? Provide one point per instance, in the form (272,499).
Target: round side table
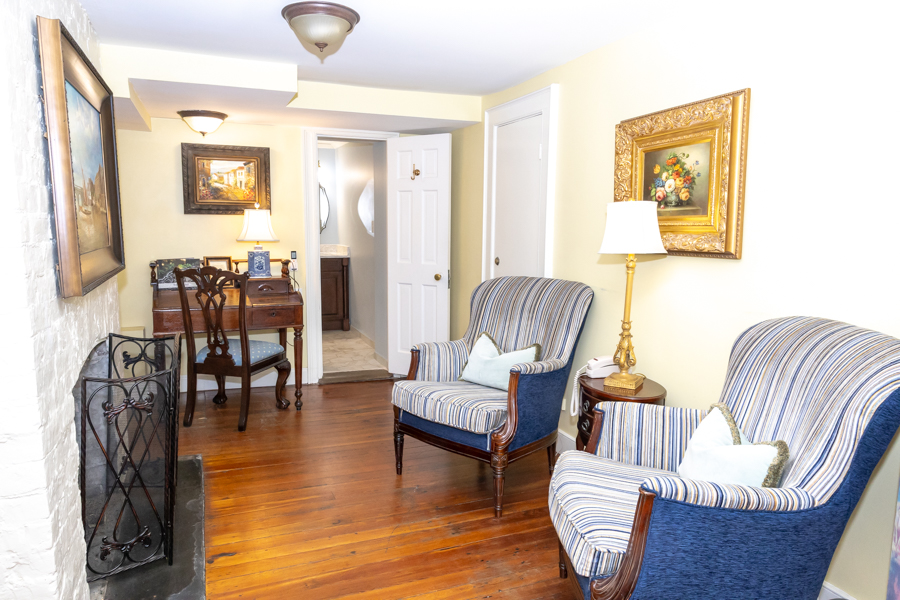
(593,391)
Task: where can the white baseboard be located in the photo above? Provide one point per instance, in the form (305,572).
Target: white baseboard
(267,379)
(830,592)
(564,442)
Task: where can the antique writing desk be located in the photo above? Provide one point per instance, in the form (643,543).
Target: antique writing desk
(271,304)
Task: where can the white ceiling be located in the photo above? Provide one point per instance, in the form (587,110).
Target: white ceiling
(453,46)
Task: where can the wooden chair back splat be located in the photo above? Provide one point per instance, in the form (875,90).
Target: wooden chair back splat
(212,296)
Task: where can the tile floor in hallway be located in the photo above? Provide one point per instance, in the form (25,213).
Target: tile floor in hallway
(347,351)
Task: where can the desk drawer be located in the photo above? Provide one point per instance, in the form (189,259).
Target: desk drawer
(275,317)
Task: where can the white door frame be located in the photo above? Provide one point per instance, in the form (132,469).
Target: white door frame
(312,299)
(544,102)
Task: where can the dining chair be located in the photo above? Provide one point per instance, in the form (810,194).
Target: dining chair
(223,356)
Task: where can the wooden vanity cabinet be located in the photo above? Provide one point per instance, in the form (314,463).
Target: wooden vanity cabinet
(335,294)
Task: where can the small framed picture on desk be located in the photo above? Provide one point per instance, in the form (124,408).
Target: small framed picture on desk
(220,262)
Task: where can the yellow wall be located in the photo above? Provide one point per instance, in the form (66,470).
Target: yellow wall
(820,229)
(153,218)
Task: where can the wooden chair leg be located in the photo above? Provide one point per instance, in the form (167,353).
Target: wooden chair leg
(191,397)
(563,571)
(245,402)
(220,396)
(551,456)
(284,371)
(398,448)
(499,462)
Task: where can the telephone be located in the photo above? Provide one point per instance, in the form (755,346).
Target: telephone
(596,368)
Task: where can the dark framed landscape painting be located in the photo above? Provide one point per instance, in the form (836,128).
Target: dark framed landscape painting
(81,142)
(224,180)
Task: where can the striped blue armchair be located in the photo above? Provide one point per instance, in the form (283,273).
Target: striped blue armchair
(492,425)
(629,527)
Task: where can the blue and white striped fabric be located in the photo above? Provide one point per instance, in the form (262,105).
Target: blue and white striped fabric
(520,311)
(441,361)
(516,312)
(592,503)
(815,384)
(723,495)
(811,382)
(646,435)
(459,404)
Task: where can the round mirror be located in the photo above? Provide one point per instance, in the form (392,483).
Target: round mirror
(324,208)
(366,207)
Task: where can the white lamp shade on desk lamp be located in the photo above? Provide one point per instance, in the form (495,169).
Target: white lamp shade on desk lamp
(257,227)
(632,228)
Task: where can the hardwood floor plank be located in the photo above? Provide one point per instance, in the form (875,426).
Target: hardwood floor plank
(308,505)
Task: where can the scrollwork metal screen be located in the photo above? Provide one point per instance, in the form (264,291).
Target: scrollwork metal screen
(129,448)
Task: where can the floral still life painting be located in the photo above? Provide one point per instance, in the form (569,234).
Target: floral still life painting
(691,161)
(674,179)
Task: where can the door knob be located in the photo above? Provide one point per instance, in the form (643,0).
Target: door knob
(497,260)
(416,172)
(437,276)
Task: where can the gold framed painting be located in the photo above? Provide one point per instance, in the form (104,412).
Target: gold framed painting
(224,180)
(81,140)
(691,161)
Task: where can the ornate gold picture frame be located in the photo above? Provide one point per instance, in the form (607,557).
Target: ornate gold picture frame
(691,161)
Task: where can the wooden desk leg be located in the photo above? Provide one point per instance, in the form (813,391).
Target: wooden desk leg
(298,366)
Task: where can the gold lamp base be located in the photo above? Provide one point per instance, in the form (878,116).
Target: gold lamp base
(626,381)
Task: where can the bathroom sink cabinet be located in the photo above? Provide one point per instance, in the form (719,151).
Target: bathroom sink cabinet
(335,294)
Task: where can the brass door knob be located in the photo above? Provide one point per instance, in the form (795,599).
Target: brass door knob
(497,260)
(437,276)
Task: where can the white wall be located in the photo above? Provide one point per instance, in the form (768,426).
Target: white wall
(42,550)
(329,235)
(354,168)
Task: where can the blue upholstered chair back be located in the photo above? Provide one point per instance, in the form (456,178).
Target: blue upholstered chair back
(815,384)
(520,311)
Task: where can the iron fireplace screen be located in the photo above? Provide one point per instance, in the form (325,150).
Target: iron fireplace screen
(129,447)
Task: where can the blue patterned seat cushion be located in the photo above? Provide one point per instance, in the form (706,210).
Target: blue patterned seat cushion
(592,503)
(258,351)
(459,404)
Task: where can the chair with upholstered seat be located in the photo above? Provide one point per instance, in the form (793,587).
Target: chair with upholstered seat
(223,356)
(494,425)
(630,527)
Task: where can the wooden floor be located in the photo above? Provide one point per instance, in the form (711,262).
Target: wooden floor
(307,505)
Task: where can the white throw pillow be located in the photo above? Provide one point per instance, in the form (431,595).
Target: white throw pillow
(719,452)
(488,366)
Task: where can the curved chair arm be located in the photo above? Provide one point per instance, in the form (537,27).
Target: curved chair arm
(725,495)
(438,361)
(536,368)
(645,435)
(531,412)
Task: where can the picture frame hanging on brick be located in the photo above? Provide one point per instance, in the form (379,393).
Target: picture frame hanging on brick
(81,142)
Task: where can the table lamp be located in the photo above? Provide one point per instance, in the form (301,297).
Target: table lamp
(631,228)
(258,228)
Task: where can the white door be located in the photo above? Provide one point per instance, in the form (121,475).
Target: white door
(418,244)
(519,184)
(518,219)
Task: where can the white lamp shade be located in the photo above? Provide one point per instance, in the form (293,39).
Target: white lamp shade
(257,227)
(202,121)
(319,29)
(632,228)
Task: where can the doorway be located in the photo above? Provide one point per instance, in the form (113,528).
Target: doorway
(351,259)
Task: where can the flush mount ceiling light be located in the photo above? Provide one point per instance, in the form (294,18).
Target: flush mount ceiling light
(320,23)
(202,121)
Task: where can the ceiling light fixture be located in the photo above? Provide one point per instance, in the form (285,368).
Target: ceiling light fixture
(202,121)
(320,23)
